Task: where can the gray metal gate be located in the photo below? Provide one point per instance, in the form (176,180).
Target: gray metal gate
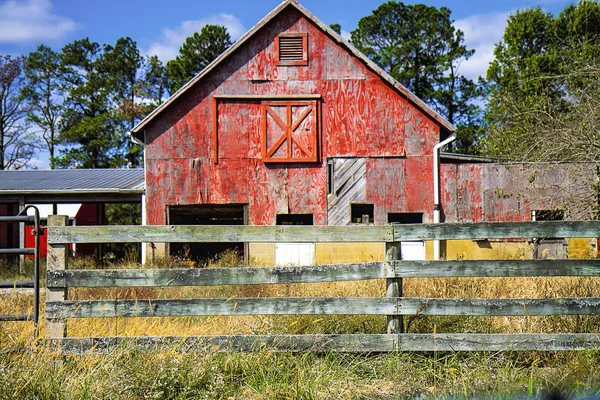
(23,218)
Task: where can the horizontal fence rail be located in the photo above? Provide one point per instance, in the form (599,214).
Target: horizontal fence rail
(394,305)
(213,233)
(338,343)
(321,306)
(321,273)
(309,234)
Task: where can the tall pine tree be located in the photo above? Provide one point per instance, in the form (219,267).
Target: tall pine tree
(418,45)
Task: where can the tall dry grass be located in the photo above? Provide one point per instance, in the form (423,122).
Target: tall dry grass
(28,369)
(433,287)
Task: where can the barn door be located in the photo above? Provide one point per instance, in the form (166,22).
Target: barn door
(289,131)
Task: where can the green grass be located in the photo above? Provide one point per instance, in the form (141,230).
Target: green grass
(266,375)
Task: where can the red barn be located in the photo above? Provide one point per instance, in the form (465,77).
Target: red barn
(293,125)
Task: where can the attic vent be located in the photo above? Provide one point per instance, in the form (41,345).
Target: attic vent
(292,49)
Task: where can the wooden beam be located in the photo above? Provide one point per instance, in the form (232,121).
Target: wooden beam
(217,276)
(395,324)
(500,307)
(336,343)
(57,260)
(211,307)
(267,97)
(497,230)
(229,234)
(246,343)
(322,306)
(215,132)
(191,233)
(495,268)
(497,342)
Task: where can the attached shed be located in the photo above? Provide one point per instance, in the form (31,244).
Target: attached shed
(79,193)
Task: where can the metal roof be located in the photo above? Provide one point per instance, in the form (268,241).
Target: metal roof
(136,131)
(465,158)
(72,180)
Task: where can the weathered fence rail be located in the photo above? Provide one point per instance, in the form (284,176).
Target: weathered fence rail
(393,305)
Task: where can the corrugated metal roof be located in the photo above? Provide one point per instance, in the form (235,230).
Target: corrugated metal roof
(465,158)
(76,180)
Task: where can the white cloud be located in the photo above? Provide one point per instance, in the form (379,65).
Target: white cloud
(30,20)
(38,163)
(172,39)
(482,32)
(345,35)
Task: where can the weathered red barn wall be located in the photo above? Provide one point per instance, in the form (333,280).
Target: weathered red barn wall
(361,116)
(509,192)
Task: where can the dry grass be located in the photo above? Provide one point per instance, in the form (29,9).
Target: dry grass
(266,375)
(433,287)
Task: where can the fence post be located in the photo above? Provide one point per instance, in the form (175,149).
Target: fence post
(57,259)
(393,288)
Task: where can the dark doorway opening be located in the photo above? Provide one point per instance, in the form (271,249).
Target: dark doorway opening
(361,213)
(550,248)
(405,218)
(294,219)
(206,214)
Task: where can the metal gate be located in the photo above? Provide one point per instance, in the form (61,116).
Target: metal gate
(23,218)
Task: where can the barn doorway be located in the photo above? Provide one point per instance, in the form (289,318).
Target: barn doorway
(206,214)
(413,249)
(549,248)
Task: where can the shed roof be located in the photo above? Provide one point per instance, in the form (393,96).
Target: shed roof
(72,181)
(136,132)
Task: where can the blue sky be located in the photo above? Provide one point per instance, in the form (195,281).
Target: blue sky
(159,27)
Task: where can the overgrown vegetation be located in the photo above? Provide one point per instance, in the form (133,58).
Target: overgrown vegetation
(267,375)
(29,369)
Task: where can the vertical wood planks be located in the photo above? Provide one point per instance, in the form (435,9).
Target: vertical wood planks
(57,259)
(393,288)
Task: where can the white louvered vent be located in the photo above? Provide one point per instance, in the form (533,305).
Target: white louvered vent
(292,49)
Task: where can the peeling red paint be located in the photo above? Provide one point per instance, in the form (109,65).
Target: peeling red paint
(360,115)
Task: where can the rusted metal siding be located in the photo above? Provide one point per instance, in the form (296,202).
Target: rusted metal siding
(509,192)
(360,116)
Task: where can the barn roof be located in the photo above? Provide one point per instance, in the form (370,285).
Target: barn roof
(72,180)
(136,131)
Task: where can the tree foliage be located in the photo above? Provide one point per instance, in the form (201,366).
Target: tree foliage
(44,95)
(418,45)
(90,123)
(17,144)
(196,53)
(544,87)
(108,90)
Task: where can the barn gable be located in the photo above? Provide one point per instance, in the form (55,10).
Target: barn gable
(259,72)
(290,125)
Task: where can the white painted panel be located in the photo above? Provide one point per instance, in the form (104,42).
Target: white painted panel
(294,253)
(412,250)
(63,209)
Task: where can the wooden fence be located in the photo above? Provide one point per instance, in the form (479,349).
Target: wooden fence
(393,305)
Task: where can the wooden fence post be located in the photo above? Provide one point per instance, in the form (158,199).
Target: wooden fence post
(393,288)
(57,259)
